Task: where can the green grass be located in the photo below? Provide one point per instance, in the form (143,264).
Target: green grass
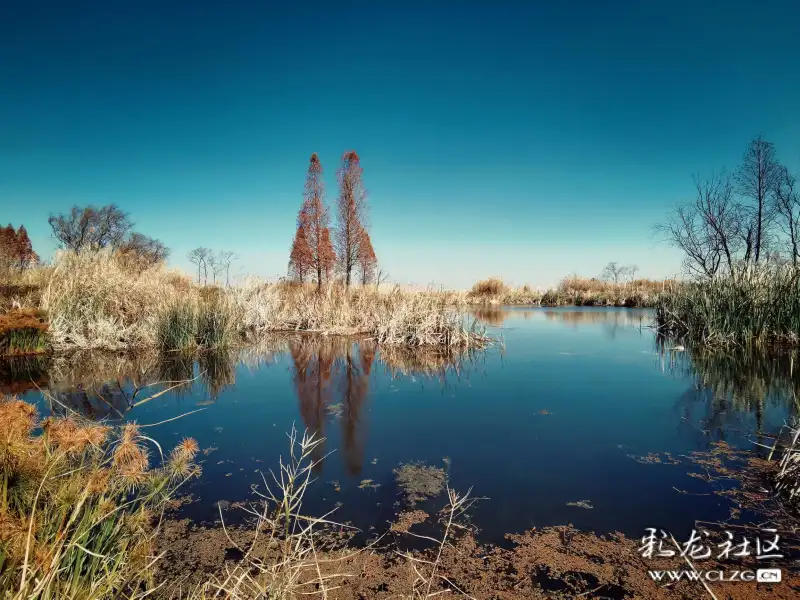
(23,332)
(175,327)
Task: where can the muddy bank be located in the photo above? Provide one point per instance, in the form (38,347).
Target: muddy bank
(558,562)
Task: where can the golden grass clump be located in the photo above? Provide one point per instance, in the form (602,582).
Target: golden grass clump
(494,291)
(571,291)
(71,438)
(94,302)
(74,523)
(493,286)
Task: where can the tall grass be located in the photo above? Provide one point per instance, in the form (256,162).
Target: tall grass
(175,327)
(390,317)
(79,505)
(755,305)
(94,301)
(287,558)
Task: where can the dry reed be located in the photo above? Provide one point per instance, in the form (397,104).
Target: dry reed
(94,301)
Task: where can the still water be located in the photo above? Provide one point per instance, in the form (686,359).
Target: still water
(562,412)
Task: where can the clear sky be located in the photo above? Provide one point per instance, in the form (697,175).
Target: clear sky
(515,138)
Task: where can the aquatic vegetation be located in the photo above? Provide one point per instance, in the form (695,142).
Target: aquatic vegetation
(176,326)
(219,319)
(788,474)
(280,560)
(79,503)
(23,332)
(753,305)
(420,481)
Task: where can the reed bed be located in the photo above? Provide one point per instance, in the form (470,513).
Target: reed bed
(95,301)
(755,305)
(80,505)
(571,291)
(390,317)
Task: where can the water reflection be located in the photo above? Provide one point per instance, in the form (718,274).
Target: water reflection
(492,315)
(612,321)
(728,383)
(329,373)
(20,374)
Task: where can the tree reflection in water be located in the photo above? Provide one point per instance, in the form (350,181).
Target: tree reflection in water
(731,384)
(330,374)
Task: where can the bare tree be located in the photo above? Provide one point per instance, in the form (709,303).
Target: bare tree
(787,209)
(91,227)
(630,271)
(710,230)
(380,277)
(213,267)
(224,259)
(201,257)
(613,271)
(757,179)
(147,250)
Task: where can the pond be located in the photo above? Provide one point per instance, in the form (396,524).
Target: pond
(581,416)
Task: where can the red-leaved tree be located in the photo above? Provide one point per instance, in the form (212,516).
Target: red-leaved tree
(367,261)
(351,214)
(16,251)
(326,255)
(300,258)
(316,221)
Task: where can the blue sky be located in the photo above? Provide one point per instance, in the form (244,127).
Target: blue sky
(522,139)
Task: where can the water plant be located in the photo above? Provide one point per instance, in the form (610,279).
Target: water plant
(175,327)
(23,332)
(755,304)
(79,505)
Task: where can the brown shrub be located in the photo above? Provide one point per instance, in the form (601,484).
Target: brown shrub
(493,286)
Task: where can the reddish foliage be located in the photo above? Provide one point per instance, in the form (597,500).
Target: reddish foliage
(301,258)
(16,251)
(315,219)
(367,261)
(327,256)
